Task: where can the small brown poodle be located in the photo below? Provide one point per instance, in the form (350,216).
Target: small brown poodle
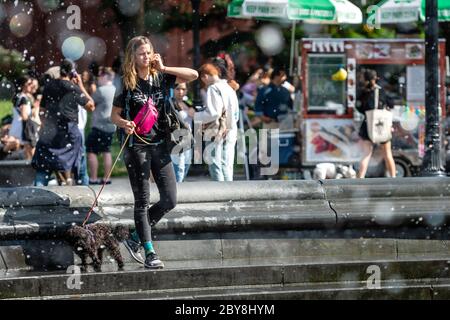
(92,239)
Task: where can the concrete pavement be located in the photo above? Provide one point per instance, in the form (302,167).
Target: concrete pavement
(219,229)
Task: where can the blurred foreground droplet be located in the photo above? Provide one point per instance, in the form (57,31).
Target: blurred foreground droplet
(73,48)
(129,7)
(270,39)
(48,5)
(21,24)
(96,49)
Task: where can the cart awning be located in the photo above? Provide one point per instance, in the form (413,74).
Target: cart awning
(318,11)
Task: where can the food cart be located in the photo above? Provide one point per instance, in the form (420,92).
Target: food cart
(331,71)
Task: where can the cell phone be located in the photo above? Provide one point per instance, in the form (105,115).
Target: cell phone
(73,74)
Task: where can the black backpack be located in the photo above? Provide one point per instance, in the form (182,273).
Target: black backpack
(179,135)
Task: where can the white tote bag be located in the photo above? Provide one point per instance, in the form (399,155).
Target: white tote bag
(379,122)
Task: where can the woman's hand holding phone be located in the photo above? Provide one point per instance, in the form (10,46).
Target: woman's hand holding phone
(157,62)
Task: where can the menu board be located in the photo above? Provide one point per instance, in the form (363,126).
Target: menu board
(332,140)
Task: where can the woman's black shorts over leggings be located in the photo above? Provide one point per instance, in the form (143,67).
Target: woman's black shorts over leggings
(140,160)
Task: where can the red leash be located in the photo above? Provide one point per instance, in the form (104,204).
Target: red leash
(104,183)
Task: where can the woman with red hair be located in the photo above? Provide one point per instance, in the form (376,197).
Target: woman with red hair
(220,119)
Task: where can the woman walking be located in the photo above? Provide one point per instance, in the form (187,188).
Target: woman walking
(368,103)
(145,77)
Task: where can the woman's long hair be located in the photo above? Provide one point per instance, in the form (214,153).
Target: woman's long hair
(22,82)
(369,76)
(129,65)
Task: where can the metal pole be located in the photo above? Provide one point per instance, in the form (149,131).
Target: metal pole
(291,60)
(244,146)
(198,103)
(432,162)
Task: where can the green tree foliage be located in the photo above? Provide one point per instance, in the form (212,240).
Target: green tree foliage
(12,65)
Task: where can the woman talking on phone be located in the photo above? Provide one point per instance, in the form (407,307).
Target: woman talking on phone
(146,80)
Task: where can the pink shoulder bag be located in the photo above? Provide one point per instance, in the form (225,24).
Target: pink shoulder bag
(146,117)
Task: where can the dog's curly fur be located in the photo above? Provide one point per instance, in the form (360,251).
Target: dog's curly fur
(93,239)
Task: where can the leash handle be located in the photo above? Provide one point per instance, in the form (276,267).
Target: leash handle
(104,183)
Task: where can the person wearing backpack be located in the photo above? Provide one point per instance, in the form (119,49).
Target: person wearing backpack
(371,95)
(219,119)
(137,113)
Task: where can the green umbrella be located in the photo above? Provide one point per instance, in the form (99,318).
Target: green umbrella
(400,11)
(317,11)
(327,11)
(443,10)
(235,9)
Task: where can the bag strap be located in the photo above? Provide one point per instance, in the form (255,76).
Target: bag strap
(127,105)
(377,97)
(127,114)
(168,108)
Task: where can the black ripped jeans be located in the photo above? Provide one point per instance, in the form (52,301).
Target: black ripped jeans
(140,160)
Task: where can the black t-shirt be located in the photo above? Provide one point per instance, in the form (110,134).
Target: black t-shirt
(156,88)
(273,101)
(61,98)
(367,99)
(19,100)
